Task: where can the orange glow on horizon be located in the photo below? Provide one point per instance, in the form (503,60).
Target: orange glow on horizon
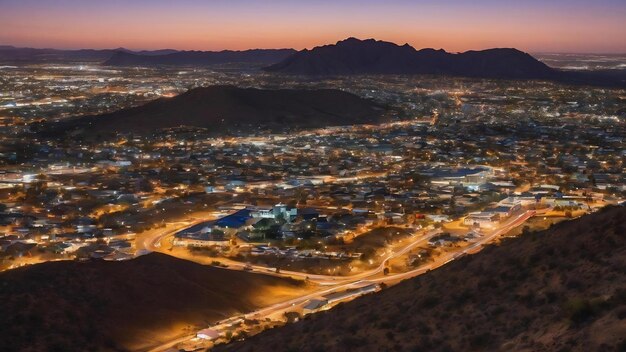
(458,28)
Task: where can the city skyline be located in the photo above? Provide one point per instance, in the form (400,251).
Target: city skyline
(561,26)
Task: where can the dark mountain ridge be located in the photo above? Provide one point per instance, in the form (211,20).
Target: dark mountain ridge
(126,57)
(200,58)
(224,109)
(354,57)
(13,54)
(563,289)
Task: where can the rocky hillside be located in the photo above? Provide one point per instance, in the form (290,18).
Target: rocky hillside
(563,289)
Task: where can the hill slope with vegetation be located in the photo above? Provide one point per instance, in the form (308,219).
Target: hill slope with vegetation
(563,289)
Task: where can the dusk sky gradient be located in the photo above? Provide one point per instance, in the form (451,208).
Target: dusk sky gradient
(454,25)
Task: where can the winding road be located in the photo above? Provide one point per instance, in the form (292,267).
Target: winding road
(343,283)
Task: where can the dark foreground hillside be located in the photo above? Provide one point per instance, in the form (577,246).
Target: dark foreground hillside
(102,306)
(563,289)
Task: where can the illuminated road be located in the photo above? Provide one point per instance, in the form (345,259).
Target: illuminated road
(471,249)
(154,244)
(372,276)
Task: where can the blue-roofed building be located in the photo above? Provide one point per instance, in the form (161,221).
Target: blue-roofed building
(213,233)
(234,221)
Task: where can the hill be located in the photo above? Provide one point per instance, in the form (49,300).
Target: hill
(102,306)
(563,289)
(230,109)
(354,57)
(200,58)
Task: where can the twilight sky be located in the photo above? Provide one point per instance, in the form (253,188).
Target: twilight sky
(455,25)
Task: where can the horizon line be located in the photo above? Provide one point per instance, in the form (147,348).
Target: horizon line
(135,50)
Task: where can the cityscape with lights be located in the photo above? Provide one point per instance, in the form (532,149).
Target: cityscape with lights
(287,199)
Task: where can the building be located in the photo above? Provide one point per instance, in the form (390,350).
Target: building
(314,305)
(277,211)
(208,334)
(505,210)
(481,219)
(468,176)
(204,240)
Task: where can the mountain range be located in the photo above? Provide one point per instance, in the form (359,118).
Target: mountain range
(358,57)
(347,57)
(229,109)
(200,58)
(126,57)
(13,54)
(354,56)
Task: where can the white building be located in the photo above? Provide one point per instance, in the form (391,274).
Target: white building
(482,219)
(277,211)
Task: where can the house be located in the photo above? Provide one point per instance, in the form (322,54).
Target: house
(502,186)
(438,218)
(504,210)
(235,185)
(472,176)
(205,239)
(481,219)
(351,293)
(208,334)
(522,200)
(276,212)
(443,239)
(314,305)
(281,210)
(263,213)
(68,247)
(18,249)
